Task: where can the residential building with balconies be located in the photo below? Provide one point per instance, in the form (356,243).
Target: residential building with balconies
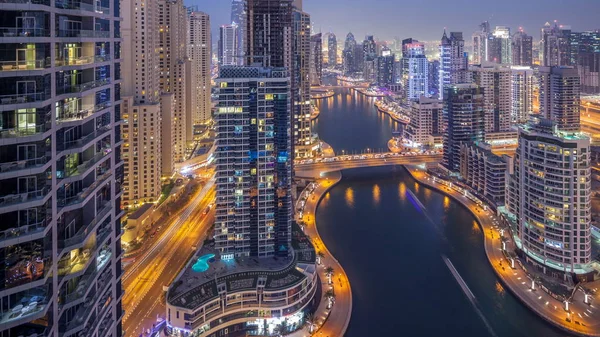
(60,168)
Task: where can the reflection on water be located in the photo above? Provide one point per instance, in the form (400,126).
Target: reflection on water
(446,202)
(417,187)
(499,288)
(476,228)
(350,197)
(376,194)
(402,191)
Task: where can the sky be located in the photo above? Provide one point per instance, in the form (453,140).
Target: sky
(425,19)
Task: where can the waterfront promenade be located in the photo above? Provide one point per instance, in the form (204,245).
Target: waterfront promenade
(580,319)
(328,322)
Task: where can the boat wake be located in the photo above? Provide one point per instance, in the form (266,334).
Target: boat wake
(468,293)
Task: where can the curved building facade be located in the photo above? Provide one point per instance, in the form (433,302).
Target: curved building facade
(216,297)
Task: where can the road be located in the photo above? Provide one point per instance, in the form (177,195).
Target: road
(334,322)
(313,169)
(159,265)
(581,319)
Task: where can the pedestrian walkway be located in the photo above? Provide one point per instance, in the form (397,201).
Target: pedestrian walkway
(329,322)
(576,317)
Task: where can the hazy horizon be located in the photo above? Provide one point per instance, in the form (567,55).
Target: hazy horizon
(426,20)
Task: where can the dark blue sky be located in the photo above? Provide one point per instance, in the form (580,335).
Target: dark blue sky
(425,19)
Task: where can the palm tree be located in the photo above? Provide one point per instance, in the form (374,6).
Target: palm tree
(310,322)
(330,296)
(329,273)
(320,256)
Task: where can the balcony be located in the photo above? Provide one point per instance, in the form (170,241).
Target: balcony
(78,5)
(78,88)
(82,33)
(82,314)
(24,98)
(81,169)
(30,229)
(84,285)
(24,310)
(85,112)
(29,130)
(24,32)
(84,193)
(24,65)
(84,60)
(29,2)
(15,199)
(84,231)
(82,141)
(24,164)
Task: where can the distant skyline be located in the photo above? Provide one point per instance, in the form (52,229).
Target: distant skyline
(425,20)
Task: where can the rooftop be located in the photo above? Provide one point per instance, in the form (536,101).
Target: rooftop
(141,211)
(192,289)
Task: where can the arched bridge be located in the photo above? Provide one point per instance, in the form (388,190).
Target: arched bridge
(313,168)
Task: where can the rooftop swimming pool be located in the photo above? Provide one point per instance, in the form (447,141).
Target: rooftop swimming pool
(202,264)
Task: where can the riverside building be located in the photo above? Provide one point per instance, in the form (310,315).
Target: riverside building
(548,200)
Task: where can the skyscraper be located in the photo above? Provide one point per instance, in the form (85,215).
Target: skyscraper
(559,92)
(260,273)
(426,120)
(453,61)
(585,54)
(522,49)
(332,50)
(142,112)
(269,33)
(500,46)
(253,162)
(61,170)
(555,45)
(415,70)
(228,45)
(239,17)
(172,67)
(369,47)
(359,58)
(549,198)
(199,52)
(464,117)
(434,77)
(480,43)
(316,59)
(522,83)
(495,81)
(275,50)
(384,69)
(348,56)
(301,50)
